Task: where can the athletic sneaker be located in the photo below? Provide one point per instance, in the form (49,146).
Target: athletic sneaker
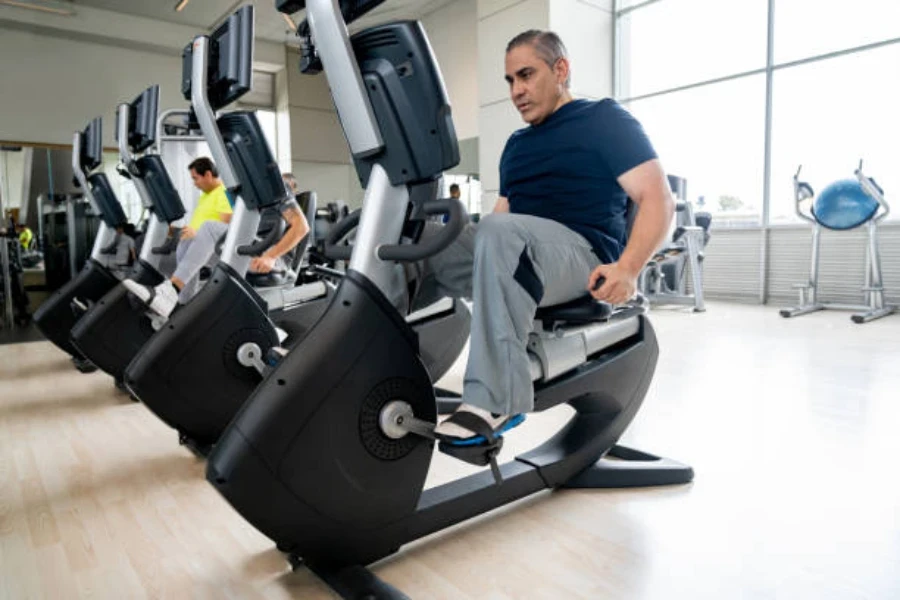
(458,434)
(161,299)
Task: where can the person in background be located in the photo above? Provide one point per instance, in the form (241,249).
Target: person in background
(164,298)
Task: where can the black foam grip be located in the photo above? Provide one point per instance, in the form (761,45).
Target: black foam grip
(433,245)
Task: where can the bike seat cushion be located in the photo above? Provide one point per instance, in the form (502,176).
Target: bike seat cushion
(262,280)
(580,310)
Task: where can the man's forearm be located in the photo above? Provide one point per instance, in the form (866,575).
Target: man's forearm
(298,228)
(650,228)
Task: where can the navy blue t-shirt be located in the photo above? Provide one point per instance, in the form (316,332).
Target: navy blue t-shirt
(566,168)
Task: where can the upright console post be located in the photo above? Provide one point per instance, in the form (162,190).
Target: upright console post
(244,222)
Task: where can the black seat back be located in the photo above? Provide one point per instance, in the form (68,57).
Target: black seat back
(270,219)
(166,202)
(254,165)
(409,101)
(584,309)
(110,210)
(307,202)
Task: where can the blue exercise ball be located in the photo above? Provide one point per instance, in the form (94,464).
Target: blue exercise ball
(844,205)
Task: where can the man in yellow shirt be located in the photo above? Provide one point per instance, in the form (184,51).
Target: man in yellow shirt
(25,236)
(183,285)
(208,224)
(213,204)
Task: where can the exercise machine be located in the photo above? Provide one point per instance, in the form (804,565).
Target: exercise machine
(329,456)
(664,279)
(845,204)
(59,313)
(197,371)
(113,329)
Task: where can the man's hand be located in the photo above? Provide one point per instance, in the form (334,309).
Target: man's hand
(188,232)
(262,264)
(620,284)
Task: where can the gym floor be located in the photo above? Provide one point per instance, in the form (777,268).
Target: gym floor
(790,425)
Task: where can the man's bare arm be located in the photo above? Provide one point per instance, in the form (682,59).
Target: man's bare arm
(648,188)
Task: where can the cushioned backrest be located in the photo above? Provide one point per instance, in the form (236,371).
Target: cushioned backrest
(110,210)
(254,165)
(166,202)
(307,201)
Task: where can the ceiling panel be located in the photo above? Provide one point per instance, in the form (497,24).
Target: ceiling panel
(196,13)
(270,24)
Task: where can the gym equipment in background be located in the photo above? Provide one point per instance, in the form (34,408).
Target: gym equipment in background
(843,205)
(113,329)
(56,317)
(664,279)
(330,454)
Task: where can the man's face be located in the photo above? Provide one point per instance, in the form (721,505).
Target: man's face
(534,87)
(203,182)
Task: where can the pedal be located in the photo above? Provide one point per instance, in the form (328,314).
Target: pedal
(397,420)
(250,355)
(275,355)
(479,455)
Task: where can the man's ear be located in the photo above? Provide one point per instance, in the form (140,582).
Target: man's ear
(561,70)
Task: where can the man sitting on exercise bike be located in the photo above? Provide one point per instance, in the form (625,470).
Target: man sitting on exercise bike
(197,247)
(558,228)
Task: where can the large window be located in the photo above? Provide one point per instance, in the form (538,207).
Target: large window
(713,137)
(695,73)
(827,115)
(268,122)
(806,28)
(677,42)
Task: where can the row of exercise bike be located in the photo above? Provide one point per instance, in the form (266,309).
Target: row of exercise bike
(323,439)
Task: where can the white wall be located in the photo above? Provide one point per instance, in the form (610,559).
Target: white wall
(320,158)
(453,33)
(53,87)
(319,155)
(12,177)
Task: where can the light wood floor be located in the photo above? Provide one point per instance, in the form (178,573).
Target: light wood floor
(793,428)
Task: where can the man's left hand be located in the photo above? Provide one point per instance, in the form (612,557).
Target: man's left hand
(262,264)
(620,284)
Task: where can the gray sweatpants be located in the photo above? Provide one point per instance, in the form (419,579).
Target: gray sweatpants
(508,265)
(196,253)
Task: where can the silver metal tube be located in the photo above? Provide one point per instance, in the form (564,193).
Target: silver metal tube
(696,274)
(344,79)
(241,231)
(160,137)
(205,115)
(70,230)
(875,283)
(813,295)
(381,222)
(122,131)
(105,236)
(182,138)
(157,232)
(41,222)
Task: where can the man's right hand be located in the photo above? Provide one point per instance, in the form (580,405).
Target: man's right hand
(188,232)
